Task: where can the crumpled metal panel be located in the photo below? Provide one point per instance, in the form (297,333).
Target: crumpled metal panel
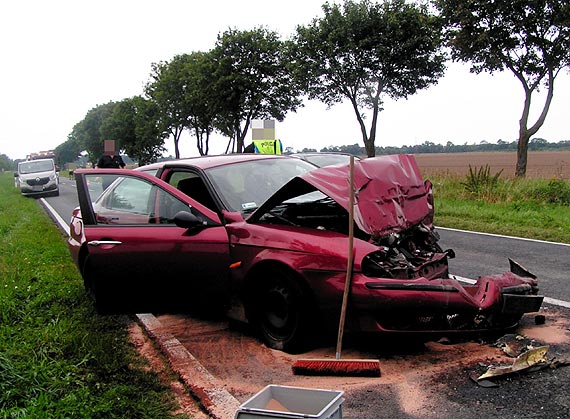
(390,194)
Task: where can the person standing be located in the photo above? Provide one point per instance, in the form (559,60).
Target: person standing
(265,147)
(110,160)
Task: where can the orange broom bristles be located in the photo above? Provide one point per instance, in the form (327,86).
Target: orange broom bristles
(350,367)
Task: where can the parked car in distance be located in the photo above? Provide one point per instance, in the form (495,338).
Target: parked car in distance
(324,159)
(264,239)
(37,177)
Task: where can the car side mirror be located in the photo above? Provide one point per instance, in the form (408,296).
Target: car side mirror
(15,174)
(185,219)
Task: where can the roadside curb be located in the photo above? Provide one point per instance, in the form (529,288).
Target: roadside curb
(217,402)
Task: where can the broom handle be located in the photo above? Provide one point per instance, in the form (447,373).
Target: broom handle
(350,258)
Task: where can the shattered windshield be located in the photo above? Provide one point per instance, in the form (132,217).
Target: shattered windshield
(244,186)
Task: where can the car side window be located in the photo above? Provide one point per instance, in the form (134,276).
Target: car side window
(130,195)
(193,185)
(134,201)
(168,205)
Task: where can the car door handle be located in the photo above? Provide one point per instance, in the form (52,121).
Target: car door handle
(103,242)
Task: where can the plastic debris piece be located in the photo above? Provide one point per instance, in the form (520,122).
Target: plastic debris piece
(523,362)
(483,383)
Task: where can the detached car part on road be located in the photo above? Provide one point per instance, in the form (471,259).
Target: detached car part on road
(264,238)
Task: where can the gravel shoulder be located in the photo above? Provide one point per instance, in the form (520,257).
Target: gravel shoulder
(427,380)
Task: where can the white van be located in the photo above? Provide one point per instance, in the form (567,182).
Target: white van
(38,177)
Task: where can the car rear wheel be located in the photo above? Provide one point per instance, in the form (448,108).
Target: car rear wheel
(280,310)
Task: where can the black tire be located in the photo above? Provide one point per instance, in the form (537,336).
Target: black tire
(280,311)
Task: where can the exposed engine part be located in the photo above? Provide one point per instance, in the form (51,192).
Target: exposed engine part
(408,254)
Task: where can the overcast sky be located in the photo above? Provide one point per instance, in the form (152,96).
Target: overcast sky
(61,58)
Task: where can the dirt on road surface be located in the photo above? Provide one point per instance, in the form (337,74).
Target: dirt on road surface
(421,380)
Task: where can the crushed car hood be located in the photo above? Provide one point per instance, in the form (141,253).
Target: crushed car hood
(390,194)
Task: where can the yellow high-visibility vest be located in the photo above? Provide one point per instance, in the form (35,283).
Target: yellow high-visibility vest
(268,146)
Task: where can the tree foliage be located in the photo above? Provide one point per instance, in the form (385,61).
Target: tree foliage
(68,151)
(134,125)
(251,81)
(530,38)
(364,51)
(6,163)
(536,144)
(167,89)
(198,98)
(87,132)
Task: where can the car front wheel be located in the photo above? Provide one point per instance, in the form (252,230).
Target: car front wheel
(280,311)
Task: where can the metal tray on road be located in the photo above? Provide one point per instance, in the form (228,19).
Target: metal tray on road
(276,401)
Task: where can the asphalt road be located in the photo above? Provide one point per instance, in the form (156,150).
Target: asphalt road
(483,254)
(476,254)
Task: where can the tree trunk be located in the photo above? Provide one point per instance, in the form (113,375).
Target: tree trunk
(176,149)
(522,154)
(524,132)
(368,143)
(176,135)
(369,147)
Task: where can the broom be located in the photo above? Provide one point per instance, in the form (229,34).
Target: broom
(338,366)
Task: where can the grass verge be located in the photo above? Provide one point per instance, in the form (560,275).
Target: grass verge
(531,208)
(58,359)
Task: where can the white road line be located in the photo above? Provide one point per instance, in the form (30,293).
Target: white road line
(462,279)
(548,300)
(502,236)
(556,302)
(62,224)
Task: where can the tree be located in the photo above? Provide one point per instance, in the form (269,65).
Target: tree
(87,132)
(200,104)
(251,81)
(6,163)
(68,151)
(182,91)
(531,38)
(167,90)
(134,125)
(364,51)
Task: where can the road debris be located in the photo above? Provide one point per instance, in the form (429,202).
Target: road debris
(514,345)
(525,361)
(530,356)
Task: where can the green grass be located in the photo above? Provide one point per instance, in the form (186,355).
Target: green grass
(58,358)
(532,208)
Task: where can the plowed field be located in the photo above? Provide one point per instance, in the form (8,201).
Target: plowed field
(541,164)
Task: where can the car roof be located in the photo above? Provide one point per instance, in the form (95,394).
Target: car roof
(34,160)
(324,153)
(207,162)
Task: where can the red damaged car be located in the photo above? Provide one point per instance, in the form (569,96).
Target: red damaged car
(264,238)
